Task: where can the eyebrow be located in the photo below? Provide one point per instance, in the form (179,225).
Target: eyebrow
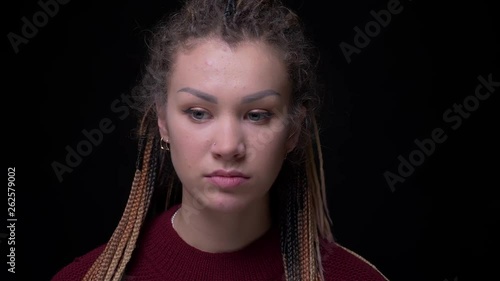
(212,99)
(259,95)
(199,94)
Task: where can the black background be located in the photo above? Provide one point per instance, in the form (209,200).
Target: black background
(439,224)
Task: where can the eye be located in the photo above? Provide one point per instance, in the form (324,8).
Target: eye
(259,116)
(197,114)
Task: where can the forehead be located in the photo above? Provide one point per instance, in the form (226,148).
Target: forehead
(214,66)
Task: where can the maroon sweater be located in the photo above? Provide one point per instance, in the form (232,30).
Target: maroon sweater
(162,255)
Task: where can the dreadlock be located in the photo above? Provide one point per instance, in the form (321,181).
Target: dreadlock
(299,200)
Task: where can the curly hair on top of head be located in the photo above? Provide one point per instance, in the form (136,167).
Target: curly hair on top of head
(299,202)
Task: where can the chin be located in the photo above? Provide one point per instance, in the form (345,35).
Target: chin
(225,203)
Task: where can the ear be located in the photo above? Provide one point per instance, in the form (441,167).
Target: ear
(295,131)
(162,121)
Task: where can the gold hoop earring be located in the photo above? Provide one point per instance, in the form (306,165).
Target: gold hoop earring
(164,147)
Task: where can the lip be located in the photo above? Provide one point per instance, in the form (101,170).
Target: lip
(227,179)
(227,173)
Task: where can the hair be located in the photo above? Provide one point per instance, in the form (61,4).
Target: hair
(298,200)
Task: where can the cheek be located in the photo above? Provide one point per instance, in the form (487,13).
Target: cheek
(184,145)
(267,143)
(185,157)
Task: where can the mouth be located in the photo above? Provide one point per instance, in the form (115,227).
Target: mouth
(227,179)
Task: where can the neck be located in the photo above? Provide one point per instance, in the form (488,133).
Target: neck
(217,231)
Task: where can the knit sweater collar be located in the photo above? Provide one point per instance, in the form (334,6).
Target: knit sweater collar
(173,257)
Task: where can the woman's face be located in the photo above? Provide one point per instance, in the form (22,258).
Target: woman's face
(225,123)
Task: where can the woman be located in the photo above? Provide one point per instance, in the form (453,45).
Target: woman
(228,143)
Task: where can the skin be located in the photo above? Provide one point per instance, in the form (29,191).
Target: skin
(224,110)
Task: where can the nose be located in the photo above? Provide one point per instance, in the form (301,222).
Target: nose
(228,139)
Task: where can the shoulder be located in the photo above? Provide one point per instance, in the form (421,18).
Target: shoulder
(341,263)
(76,269)
(153,233)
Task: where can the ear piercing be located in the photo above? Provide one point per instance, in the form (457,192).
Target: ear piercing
(164,146)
